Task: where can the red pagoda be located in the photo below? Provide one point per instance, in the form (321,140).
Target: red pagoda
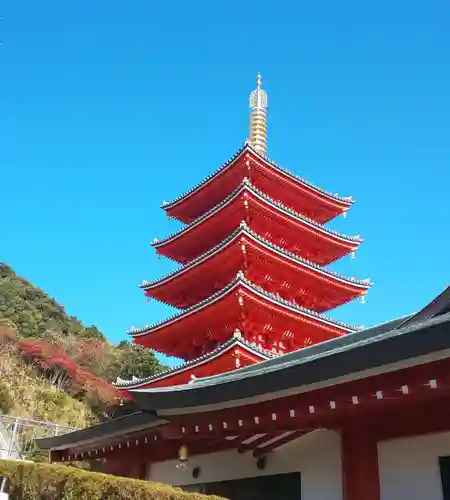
(362,416)
(251,284)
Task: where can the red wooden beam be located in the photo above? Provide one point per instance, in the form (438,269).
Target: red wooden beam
(264,450)
(322,407)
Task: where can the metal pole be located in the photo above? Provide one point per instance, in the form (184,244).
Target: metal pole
(12,439)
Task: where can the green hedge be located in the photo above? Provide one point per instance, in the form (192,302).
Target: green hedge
(31,481)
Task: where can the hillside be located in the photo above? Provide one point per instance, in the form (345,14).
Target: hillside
(52,367)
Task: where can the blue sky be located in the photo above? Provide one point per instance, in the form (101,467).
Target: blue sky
(109,108)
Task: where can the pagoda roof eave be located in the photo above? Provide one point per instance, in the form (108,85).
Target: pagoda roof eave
(241,281)
(369,352)
(244,230)
(247,186)
(342,200)
(235,341)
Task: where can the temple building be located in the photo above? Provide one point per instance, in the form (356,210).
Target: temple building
(275,399)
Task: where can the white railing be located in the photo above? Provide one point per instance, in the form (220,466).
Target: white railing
(18,435)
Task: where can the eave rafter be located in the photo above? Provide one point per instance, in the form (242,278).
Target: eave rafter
(335,204)
(120,446)
(242,197)
(263,445)
(243,236)
(274,444)
(253,442)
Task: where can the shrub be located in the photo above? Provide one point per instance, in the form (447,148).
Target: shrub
(30,481)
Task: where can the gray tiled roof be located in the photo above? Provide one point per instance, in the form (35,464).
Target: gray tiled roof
(440,305)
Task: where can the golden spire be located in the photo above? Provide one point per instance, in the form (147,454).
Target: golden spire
(258,118)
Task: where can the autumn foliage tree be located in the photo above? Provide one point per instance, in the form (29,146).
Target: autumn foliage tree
(53,362)
(63,372)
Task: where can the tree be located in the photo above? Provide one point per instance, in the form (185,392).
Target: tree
(6,271)
(33,311)
(59,368)
(63,372)
(95,355)
(135,360)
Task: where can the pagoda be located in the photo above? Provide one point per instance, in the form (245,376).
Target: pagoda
(251,283)
(362,416)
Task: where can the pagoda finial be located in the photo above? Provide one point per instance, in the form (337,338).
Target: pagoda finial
(258,118)
(258,81)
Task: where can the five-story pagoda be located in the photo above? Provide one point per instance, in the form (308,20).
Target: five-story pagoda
(251,283)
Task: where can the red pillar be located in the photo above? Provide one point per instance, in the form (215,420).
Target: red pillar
(360,465)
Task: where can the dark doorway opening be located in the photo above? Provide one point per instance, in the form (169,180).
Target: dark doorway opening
(444,465)
(276,487)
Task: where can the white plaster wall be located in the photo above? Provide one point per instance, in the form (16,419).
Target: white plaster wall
(409,467)
(316,455)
